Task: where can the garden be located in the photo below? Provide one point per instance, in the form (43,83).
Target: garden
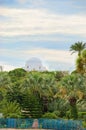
(52,97)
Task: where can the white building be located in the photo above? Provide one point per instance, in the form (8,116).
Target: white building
(34,64)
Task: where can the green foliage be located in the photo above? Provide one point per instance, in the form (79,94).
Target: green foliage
(60,74)
(59,105)
(68,114)
(57,113)
(15,93)
(17,74)
(84,60)
(81,63)
(1,96)
(41,92)
(78,47)
(42,85)
(84,53)
(81,104)
(75,85)
(75,90)
(50,115)
(81,60)
(84,124)
(74,112)
(32,107)
(82,115)
(4,80)
(10,109)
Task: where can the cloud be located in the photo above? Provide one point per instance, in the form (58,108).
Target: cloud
(40,22)
(51,55)
(34,38)
(53,59)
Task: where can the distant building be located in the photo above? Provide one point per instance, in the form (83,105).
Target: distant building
(1,68)
(34,64)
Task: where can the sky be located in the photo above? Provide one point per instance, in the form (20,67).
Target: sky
(41,28)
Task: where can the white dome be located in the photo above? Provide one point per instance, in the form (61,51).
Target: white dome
(34,64)
(34,60)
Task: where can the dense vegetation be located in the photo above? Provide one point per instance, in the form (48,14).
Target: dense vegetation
(55,94)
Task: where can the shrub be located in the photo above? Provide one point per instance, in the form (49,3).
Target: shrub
(50,115)
(84,124)
(10,109)
(82,115)
(57,113)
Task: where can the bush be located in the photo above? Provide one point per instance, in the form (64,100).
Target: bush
(57,113)
(50,115)
(82,115)
(10,109)
(84,124)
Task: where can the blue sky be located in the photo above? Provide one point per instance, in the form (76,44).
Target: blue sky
(41,28)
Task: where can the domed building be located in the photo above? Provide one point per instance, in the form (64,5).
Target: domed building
(34,64)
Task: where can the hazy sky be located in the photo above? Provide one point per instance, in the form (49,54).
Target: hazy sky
(41,28)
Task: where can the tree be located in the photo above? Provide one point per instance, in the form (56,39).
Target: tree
(15,93)
(84,60)
(17,74)
(81,63)
(41,85)
(78,47)
(4,80)
(73,89)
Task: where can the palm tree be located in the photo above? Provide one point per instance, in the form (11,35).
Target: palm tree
(81,63)
(78,47)
(10,109)
(72,88)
